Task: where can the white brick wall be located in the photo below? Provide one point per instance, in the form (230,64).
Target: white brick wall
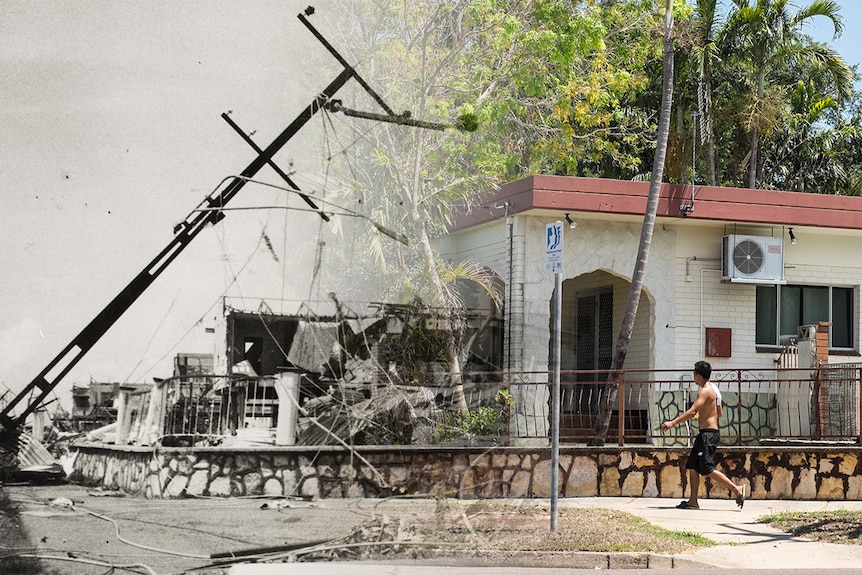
(593,246)
(673,313)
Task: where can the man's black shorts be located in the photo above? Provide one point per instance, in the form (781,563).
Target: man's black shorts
(702,456)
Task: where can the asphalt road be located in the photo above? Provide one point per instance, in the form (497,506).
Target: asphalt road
(168,536)
(388,569)
(92,531)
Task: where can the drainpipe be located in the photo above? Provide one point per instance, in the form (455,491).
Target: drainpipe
(510,225)
(689,278)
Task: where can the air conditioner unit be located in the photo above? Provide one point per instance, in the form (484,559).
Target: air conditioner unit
(752,259)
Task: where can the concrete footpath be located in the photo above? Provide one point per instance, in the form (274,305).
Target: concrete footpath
(745,543)
(72,524)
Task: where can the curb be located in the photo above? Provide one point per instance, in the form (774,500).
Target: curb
(582,560)
(528,562)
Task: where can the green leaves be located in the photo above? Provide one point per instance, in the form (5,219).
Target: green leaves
(766,50)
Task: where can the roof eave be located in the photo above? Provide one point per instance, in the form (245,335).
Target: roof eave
(616,198)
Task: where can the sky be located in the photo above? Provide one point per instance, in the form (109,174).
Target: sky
(111,134)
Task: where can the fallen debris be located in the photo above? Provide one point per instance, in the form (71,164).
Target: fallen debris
(99,492)
(62,502)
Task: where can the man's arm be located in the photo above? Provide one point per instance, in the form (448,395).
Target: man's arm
(690,412)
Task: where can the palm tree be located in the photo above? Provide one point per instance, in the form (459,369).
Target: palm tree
(609,391)
(705,54)
(763,36)
(807,154)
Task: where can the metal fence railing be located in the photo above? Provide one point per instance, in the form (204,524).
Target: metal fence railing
(760,405)
(511,408)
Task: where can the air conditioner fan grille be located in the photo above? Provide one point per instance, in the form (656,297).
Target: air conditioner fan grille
(747,257)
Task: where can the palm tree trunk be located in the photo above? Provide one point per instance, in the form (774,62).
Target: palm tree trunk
(752,160)
(609,391)
(710,130)
(755,128)
(711,159)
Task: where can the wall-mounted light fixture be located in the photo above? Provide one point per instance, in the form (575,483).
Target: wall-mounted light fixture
(792,236)
(572,223)
(493,209)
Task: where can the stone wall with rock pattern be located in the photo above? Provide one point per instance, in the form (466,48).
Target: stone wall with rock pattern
(466,473)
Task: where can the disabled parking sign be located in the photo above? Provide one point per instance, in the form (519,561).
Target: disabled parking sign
(554,247)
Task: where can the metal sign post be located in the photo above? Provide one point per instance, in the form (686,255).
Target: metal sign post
(554,264)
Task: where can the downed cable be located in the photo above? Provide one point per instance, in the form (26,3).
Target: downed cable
(139,545)
(127,567)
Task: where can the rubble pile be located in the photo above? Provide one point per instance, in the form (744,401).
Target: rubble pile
(380,415)
(381,538)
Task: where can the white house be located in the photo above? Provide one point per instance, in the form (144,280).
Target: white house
(789,259)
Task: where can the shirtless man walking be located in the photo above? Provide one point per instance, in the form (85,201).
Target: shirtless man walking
(707,408)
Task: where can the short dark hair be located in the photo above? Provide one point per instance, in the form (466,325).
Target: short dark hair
(703,368)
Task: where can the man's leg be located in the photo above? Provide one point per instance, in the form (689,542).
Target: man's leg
(711,441)
(694,486)
(723,479)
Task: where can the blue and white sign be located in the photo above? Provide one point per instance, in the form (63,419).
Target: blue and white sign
(554,247)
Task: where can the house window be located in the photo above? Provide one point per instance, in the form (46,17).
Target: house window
(781,309)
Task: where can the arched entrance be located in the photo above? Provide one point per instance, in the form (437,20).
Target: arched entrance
(593,306)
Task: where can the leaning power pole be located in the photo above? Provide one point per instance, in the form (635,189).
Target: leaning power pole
(209,211)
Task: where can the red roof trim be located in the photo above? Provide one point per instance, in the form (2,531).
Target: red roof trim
(620,197)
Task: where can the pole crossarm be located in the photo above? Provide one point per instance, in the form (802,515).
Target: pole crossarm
(274,166)
(403,119)
(359,79)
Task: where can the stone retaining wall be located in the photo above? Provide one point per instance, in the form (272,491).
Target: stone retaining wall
(466,473)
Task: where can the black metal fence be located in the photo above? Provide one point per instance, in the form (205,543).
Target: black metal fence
(509,408)
(760,405)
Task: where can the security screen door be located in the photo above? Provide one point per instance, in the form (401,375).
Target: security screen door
(593,348)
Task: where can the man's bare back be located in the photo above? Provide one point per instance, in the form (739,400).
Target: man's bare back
(706,407)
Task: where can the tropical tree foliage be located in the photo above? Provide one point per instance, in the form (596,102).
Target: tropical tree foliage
(765,53)
(809,153)
(554,87)
(697,57)
(407,177)
(575,87)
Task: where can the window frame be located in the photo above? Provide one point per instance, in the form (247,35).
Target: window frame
(775,313)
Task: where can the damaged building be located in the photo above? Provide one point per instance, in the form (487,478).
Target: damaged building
(307,379)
